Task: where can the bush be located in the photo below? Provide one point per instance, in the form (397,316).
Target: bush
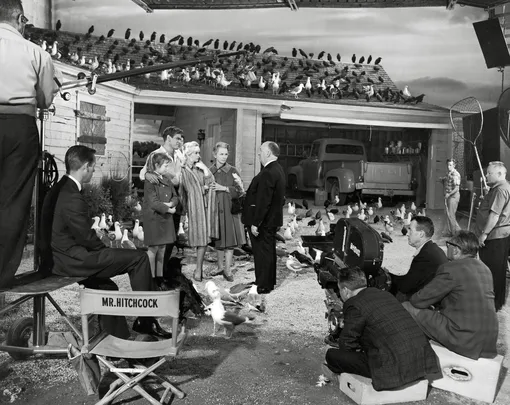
(122,197)
(98,199)
(144,148)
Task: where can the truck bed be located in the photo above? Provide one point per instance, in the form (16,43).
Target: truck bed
(385,178)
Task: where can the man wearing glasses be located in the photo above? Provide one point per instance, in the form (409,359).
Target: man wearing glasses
(173,140)
(493,228)
(26,83)
(464,318)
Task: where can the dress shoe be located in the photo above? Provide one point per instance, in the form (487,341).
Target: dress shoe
(229,278)
(331,342)
(261,290)
(216,273)
(150,326)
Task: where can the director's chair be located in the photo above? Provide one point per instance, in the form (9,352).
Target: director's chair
(139,303)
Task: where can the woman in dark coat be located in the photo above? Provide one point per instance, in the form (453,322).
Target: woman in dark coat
(228,186)
(159,204)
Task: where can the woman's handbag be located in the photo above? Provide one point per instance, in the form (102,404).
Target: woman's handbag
(237,205)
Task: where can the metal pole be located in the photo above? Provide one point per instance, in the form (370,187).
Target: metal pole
(37,191)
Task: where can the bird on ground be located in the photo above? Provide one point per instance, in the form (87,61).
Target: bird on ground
(321,229)
(407,220)
(118,233)
(140,234)
(355,208)
(370,212)
(210,288)
(413,206)
(227,319)
(255,299)
(318,214)
(102,223)
(379,203)
(294,265)
(404,230)
(238,290)
(291,209)
(334,211)
(386,238)
(362,215)
(389,227)
(300,248)
(125,242)
(349,211)
(376,219)
(312,222)
(308,213)
(331,216)
(95,225)
(302,258)
(279,238)
(136,229)
(305,204)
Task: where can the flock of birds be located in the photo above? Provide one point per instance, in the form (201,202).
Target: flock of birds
(324,77)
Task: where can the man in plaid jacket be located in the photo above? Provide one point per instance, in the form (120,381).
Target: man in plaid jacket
(379,339)
(465,320)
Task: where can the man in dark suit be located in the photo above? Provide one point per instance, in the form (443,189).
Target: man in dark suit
(427,259)
(263,215)
(379,338)
(71,248)
(465,319)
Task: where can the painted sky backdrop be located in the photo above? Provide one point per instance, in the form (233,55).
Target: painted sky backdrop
(433,50)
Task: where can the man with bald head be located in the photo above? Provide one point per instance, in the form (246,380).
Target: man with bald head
(263,215)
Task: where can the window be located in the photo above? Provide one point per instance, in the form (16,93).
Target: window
(345,149)
(315,150)
(92,126)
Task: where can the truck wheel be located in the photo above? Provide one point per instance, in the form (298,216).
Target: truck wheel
(293,183)
(335,191)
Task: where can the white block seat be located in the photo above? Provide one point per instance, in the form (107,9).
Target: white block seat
(476,379)
(361,391)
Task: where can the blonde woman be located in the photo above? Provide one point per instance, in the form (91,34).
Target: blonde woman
(227,187)
(198,202)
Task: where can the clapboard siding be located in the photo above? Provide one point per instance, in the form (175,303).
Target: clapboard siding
(250,145)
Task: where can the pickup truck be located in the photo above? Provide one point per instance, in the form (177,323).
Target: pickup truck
(340,167)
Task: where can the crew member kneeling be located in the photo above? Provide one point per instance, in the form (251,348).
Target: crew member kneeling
(465,321)
(71,248)
(379,339)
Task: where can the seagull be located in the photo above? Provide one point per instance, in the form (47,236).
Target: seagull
(291,209)
(225,318)
(136,229)
(287,234)
(379,203)
(297,90)
(255,299)
(407,220)
(140,234)
(331,216)
(321,230)
(95,225)
(413,206)
(102,223)
(406,92)
(211,288)
(118,233)
(294,265)
(125,242)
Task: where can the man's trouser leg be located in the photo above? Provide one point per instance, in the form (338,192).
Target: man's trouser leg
(170,246)
(453,203)
(19,154)
(495,256)
(342,361)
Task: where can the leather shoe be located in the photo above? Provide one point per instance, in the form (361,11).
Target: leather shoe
(264,290)
(150,326)
(229,278)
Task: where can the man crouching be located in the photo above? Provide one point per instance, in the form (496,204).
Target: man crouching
(379,340)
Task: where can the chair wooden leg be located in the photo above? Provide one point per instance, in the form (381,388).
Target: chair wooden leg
(178,393)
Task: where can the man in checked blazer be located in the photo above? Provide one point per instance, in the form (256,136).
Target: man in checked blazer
(464,320)
(263,215)
(379,338)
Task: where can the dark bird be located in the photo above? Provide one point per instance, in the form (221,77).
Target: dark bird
(240,46)
(208,42)
(181,40)
(370,80)
(294,52)
(381,79)
(196,42)
(321,54)
(303,53)
(91,30)
(189,42)
(312,222)
(330,58)
(309,213)
(361,60)
(141,36)
(369,59)
(110,33)
(176,38)
(101,39)
(153,36)
(419,99)
(376,219)
(318,214)
(378,60)
(353,58)
(232,46)
(271,50)
(305,204)
(334,211)
(225,45)
(338,57)
(311,55)
(386,238)
(127,34)
(327,203)
(247,248)
(162,38)
(279,237)
(58,26)
(303,259)
(256,49)
(404,230)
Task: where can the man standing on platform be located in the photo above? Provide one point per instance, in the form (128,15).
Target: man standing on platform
(451,198)
(492,228)
(26,83)
(263,215)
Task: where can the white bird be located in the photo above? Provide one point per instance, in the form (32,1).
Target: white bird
(407,220)
(349,211)
(95,225)
(294,265)
(102,223)
(118,233)
(227,319)
(262,83)
(44,46)
(141,234)
(331,216)
(318,255)
(255,299)
(363,205)
(337,199)
(54,49)
(291,208)
(125,242)
(276,82)
(137,207)
(287,234)
(379,203)
(211,288)
(95,63)
(296,90)
(136,229)
(413,206)
(181,229)
(300,248)
(362,215)
(406,92)
(321,229)
(370,211)
(110,221)
(308,85)
(163,76)
(403,209)
(355,208)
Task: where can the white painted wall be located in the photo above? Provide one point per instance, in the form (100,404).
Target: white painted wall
(39,12)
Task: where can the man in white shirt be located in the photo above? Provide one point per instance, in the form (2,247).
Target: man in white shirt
(172,144)
(26,83)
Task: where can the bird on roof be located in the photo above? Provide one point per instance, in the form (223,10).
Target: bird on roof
(406,92)
(321,54)
(271,50)
(294,52)
(162,39)
(58,26)
(91,30)
(127,34)
(378,60)
(353,58)
(303,53)
(361,60)
(110,33)
(232,46)
(296,90)
(369,59)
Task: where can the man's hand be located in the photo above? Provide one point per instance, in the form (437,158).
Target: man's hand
(481,239)
(152,178)
(254,230)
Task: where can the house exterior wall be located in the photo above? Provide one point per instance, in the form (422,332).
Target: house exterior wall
(63,129)
(219,125)
(39,12)
(440,149)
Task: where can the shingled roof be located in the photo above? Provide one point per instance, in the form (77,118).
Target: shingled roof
(344,80)
(150,5)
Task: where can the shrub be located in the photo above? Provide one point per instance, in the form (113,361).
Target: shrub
(98,199)
(122,197)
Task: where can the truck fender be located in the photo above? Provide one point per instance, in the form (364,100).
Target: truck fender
(297,172)
(345,179)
